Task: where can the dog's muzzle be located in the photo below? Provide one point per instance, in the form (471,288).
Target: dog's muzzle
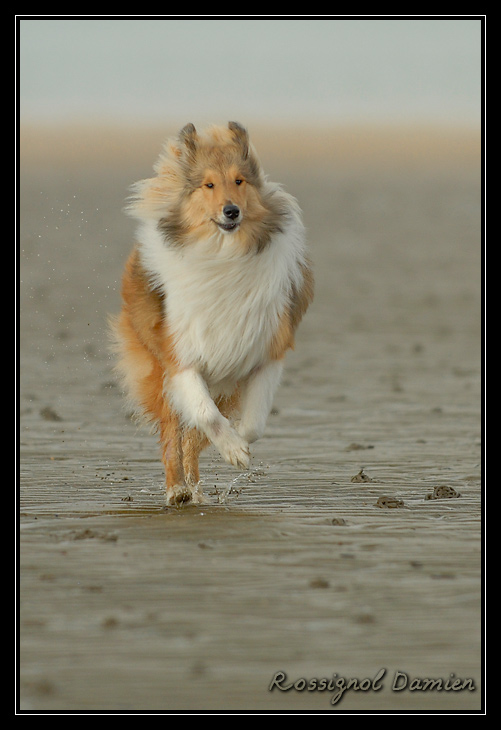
(231,217)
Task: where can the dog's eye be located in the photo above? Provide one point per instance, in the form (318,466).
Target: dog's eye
(209,185)
(238,182)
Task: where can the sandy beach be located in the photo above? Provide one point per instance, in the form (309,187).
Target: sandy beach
(352,550)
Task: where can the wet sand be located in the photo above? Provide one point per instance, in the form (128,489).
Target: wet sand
(354,544)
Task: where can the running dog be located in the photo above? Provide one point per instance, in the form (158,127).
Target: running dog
(212,294)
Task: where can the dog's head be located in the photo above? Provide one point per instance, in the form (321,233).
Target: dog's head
(211,185)
(223,177)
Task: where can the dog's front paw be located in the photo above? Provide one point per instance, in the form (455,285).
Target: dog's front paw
(235,450)
(181,494)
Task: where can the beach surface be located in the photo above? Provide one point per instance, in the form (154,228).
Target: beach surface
(352,549)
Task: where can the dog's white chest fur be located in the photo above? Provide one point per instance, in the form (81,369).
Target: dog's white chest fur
(223,306)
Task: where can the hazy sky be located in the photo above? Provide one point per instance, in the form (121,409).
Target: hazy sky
(213,69)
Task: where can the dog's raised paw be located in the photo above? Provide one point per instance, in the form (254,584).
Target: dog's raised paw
(235,450)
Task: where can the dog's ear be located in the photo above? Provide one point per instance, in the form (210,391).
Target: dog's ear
(189,137)
(241,136)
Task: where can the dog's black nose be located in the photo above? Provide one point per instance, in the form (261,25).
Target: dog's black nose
(231,211)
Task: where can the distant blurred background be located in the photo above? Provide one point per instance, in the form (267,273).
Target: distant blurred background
(377,70)
(359,118)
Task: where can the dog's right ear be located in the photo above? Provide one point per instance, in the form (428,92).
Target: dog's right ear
(189,137)
(241,136)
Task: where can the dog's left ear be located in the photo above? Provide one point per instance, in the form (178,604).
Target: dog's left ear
(241,136)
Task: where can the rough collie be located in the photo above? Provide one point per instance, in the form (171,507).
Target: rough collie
(212,294)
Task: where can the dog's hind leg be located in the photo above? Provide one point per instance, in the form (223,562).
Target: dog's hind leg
(194,441)
(177,491)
